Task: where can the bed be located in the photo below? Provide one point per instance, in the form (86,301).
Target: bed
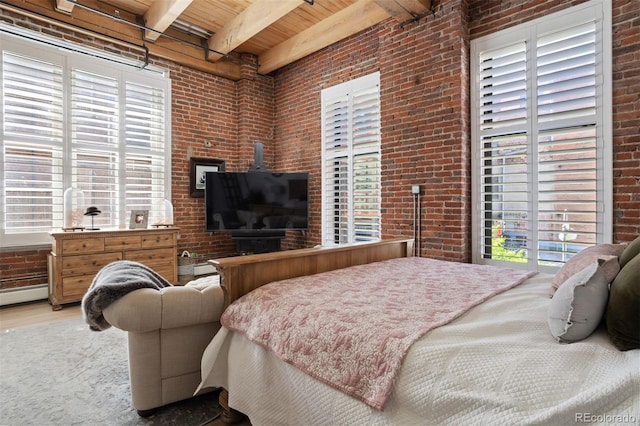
(493,363)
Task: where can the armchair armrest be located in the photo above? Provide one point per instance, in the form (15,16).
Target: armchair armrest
(147,309)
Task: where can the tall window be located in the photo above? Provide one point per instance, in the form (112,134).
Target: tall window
(351,161)
(70,120)
(541,131)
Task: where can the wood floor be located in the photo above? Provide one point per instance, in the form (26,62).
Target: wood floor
(29,314)
(34,313)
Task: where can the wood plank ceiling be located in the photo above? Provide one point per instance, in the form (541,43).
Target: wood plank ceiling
(211,35)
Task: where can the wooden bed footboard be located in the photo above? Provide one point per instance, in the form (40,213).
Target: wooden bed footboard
(241,274)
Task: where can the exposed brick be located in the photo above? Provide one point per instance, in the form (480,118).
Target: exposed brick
(425,123)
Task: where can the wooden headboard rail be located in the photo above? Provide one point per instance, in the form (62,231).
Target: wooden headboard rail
(241,274)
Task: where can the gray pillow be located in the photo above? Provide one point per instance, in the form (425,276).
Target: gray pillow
(577,307)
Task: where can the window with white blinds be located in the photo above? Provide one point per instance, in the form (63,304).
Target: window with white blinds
(351,161)
(541,129)
(69,120)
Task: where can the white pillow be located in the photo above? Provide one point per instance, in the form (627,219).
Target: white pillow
(577,307)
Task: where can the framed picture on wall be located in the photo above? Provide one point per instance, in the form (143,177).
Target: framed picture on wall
(200,166)
(139,219)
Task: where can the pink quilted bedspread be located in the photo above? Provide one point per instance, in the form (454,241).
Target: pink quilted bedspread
(351,328)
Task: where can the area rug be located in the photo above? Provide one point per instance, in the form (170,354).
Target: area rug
(64,374)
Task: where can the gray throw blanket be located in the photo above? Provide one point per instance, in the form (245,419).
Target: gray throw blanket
(112,282)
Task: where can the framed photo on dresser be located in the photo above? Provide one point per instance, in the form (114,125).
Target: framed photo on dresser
(139,219)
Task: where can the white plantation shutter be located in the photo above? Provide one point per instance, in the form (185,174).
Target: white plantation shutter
(568,149)
(503,91)
(145,136)
(503,128)
(81,122)
(32,143)
(366,163)
(95,141)
(351,162)
(542,154)
(336,202)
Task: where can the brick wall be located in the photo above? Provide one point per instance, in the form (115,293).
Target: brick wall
(425,125)
(255,118)
(204,110)
(626,120)
(425,132)
(21,268)
(297,106)
(488,16)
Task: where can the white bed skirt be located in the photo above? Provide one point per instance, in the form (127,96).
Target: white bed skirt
(497,364)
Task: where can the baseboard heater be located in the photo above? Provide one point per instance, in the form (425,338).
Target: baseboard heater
(31,293)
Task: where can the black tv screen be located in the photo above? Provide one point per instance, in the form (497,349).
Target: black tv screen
(255,201)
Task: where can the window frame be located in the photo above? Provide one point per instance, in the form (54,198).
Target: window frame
(352,155)
(530,32)
(70,56)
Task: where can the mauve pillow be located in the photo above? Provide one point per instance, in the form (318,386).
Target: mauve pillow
(608,252)
(623,308)
(629,252)
(578,306)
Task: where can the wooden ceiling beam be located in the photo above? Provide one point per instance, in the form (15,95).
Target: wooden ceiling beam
(261,14)
(121,33)
(351,20)
(252,20)
(416,6)
(395,10)
(161,15)
(405,10)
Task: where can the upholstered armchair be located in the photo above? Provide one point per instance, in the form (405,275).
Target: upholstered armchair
(168,330)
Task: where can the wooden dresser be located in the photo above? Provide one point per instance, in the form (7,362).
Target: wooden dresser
(76,257)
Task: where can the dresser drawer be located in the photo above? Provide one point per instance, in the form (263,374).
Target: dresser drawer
(122,243)
(158,240)
(88,263)
(162,261)
(76,286)
(147,257)
(82,245)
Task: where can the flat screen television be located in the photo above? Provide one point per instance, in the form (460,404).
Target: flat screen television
(256,201)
